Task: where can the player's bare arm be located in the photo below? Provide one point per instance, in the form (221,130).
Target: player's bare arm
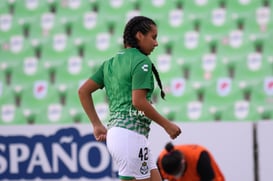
(141,103)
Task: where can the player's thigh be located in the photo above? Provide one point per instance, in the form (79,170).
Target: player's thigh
(131,153)
(155,175)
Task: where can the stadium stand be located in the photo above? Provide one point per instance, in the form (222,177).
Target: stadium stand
(10,115)
(240,110)
(71,72)
(8,27)
(88,23)
(252,69)
(115,11)
(220,94)
(262,97)
(69,11)
(8,104)
(218,23)
(43,27)
(28,70)
(242,9)
(27,11)
(49,47)
(54,113)
(199,9)
(4,7)
(157,10)
(36,97)
(194,111)
(56,51)
(268,54)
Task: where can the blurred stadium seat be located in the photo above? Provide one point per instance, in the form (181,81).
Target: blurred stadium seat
(218,24)
(235,45)
(240,110)
(157,10)
(69,11)
(8,27)
(6,92)
(11,115)
(44,27)
(28,70)
(191,45)
(173,28)
(76,111)
(179,94)
(27,11)
(251,69)
(197,9)
(86,26)
(255,29)
(5,7)
(71,72)
(103,47)
(242,9)
(57,50)
(207,70)
(13,53)
(267,51)
(222,93)
(115,11)
(194,111)
(36,97)
(262,97)
(53,113)
(73,106)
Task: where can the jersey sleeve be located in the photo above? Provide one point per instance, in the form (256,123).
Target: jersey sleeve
(98,76)
(142,77)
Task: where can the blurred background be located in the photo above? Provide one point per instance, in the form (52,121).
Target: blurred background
(214,57)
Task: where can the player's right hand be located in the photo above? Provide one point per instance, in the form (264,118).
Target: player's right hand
(173,130)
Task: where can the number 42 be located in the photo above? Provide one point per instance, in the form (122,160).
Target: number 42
(143,153)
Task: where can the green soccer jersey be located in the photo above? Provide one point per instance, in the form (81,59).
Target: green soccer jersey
(129,69)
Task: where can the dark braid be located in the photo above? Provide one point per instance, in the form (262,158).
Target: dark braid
(162,93)
(140,24)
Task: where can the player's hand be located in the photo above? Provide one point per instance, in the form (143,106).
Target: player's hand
(100,133)
(173,130)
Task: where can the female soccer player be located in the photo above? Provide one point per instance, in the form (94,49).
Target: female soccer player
(128,81)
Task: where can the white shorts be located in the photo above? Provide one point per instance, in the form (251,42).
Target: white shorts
(130,152)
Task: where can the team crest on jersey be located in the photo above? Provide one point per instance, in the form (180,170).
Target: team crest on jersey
(144,168)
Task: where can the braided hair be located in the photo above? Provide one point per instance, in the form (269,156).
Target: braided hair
(140,24)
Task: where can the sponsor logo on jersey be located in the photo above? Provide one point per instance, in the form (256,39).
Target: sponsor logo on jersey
(145,68)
